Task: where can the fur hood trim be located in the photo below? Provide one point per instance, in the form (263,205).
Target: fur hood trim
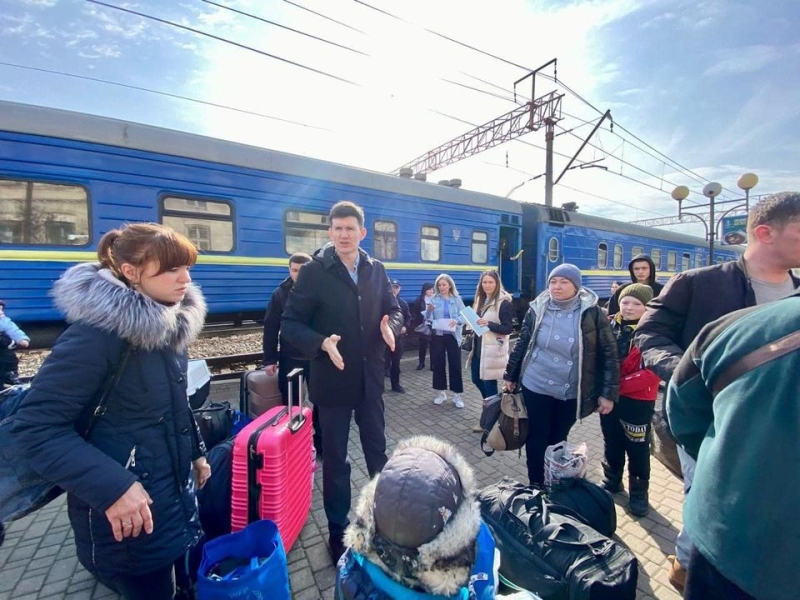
(443,564)
(91,295)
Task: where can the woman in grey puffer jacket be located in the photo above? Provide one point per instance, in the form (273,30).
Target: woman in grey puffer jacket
(565,361)
(131,483)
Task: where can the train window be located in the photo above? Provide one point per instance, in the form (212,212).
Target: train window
(552,249)
(480,247)
(384,244)
(602,255)
(636,250)
(430,243)
(655,256)
(52,214)
(672,260)
(305,231)
(698,260)
(686,263)
(207,223)
(617,256)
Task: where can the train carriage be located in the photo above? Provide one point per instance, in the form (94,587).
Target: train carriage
(67,178)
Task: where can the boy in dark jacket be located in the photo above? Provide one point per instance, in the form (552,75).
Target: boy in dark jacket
(626,429)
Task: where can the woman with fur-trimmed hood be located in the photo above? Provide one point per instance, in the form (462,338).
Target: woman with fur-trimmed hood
(131,483)
(418,533)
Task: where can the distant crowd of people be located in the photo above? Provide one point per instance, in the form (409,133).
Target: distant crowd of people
(728,361)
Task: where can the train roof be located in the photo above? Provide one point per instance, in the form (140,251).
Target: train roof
(63,124)
(559,215)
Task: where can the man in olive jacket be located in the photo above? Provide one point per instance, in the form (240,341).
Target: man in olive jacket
(342,312)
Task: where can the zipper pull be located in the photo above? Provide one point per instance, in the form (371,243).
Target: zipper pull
(131,459)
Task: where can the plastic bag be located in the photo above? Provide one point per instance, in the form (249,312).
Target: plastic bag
(564,461)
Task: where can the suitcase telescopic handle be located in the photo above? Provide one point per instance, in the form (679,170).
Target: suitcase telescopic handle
(295,421)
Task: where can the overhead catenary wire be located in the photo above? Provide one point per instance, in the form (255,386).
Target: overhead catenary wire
(225,40)
(162,93)
(327,18)
(276,24)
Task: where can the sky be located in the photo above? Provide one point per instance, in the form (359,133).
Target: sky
(698,91)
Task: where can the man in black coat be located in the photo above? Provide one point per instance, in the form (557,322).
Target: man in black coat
(342,312)
(284,359)
(642,270)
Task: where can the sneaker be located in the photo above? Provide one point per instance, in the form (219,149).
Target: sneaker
(677,574)
(458,401)
(440,398)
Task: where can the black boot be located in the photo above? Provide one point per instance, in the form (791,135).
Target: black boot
(639,498)
(612,480)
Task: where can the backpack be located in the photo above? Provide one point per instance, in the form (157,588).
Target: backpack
(545,549)
(505,423)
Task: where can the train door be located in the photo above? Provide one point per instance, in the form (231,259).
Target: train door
(509,261)
(551,254)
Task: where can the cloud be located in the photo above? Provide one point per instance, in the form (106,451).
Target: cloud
(747,59)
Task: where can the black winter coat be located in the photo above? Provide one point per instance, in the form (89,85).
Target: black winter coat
(325,301)
(272,326)
(687,303)
(598,374)
(613,303)
(148,422)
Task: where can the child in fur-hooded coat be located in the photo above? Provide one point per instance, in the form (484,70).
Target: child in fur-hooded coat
(418,533)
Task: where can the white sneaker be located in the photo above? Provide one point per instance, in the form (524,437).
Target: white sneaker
(440,398)
(458,401)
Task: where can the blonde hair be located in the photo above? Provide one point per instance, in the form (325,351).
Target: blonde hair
(140,243)
(448,279)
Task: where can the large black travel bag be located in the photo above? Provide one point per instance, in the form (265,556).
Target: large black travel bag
(593,504)
(546,550)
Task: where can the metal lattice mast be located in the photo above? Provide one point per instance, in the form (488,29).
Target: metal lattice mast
(523,119)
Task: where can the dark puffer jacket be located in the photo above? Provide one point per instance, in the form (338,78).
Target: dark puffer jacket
(598,365)
(148,422)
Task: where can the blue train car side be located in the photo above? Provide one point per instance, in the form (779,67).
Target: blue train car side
(67,178)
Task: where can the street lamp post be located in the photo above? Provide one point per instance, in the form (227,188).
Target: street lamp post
(711,190)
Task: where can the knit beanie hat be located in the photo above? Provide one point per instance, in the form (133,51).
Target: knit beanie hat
(568,271)
(643,293)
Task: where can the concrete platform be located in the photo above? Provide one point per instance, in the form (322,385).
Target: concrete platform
(38,559)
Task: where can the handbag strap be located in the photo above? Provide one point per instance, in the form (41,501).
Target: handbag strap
(100,409)
(756,358)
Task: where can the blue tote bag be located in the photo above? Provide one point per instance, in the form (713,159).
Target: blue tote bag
(247,565)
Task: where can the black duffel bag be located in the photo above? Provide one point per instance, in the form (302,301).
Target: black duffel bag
(215,421)
(552,553)
(593,504)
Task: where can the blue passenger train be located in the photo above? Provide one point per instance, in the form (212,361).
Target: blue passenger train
(67,178)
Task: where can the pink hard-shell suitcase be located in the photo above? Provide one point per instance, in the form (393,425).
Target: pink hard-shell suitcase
(273,467)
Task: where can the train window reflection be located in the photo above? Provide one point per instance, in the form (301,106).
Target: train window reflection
(617,256)
(655,256)
(602,255)
(552,249)
(686,262)
(384,240)
(636,250)
(207,223)
(39,213)
(430,243)
(480,247)
(672,260)
(305,231)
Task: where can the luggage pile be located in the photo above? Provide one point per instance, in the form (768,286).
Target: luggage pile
(557,545)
